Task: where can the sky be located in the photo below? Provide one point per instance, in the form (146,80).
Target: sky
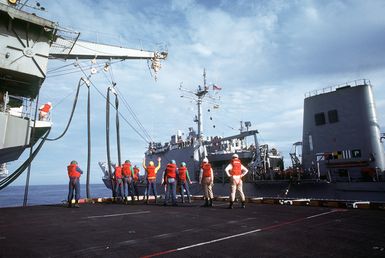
(264,54)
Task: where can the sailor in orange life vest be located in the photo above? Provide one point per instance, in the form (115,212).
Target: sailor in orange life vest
(183,178)
(118,181)
(135,181)
(44,110)
(151,171)
(74,173)
(206,178)
(127,180)
(170,181)
(235,170)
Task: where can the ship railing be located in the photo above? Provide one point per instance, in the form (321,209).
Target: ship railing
(335,87)
(16,106)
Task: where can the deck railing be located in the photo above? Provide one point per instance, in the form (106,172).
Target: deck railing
(335,87)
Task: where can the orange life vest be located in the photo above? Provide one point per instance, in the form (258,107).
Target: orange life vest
(182,173)
(136,174)
(171,171)
(237,167)
(72,171)
(127,169)
(206,169)
(46,108)
(118,172)
(151,174)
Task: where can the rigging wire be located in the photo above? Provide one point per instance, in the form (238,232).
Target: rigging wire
(101,94)
(75,69)
(108,68)
(135,117)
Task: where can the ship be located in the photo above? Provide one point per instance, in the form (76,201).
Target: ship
(341,155)
(27,42)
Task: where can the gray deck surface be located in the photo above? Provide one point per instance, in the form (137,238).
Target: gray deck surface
(139,230)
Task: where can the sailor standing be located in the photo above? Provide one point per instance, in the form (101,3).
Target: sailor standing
(206,179)
(235,170)
(74,173)
(170,181)
(118,181)
(184,179)
(135,182)
(151,171)
(127,180)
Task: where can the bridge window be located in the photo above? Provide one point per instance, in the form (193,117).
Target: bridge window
(333,116)
(319,119)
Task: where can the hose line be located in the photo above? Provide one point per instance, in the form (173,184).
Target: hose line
(72,113)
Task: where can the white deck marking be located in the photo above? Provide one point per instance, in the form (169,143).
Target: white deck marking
(242,234)
(219,239)
(116,215)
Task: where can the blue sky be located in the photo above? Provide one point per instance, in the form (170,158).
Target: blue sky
(264,54)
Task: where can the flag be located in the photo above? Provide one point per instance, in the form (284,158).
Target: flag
(216,87)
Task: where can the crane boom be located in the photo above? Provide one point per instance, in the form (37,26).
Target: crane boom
(90,50)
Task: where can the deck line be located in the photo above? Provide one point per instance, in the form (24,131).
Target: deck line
(116,215)
(241,234)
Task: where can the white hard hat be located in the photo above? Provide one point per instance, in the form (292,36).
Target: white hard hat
(235,156)
(49,103)
(205,160)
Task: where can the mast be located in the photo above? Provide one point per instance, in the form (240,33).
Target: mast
(201,93)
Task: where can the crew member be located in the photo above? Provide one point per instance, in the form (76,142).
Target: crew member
(206,178)
(184,177)
(235,170)
(74,173)
(127,180)
(135,181)
(151,171)
(44,110)
(170,181)
(118,181)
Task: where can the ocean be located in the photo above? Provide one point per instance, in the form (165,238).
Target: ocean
(13,196)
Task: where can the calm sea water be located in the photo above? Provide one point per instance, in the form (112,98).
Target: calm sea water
(13,196)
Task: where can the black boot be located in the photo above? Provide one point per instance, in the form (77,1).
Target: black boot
(243,205)
(211,203)
(69,204)
(76,204)
(156,199)
(231,205)
(189,199)
(206,203)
